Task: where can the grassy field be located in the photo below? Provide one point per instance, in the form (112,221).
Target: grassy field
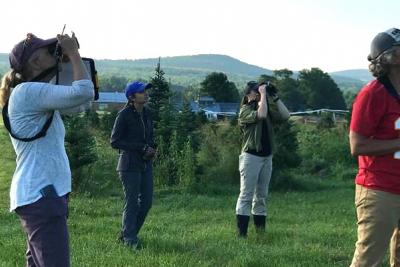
(304,228)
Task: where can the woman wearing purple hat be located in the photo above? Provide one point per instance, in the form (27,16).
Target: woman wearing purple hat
(132,135)
(31,112)
(374,138)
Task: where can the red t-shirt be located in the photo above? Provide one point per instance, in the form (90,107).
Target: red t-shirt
(375,112)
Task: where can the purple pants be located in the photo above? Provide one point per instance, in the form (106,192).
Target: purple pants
(45,224)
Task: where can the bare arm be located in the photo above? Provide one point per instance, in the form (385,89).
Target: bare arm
(262,110)
(364,146)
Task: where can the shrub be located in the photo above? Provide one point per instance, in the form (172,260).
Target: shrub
(285,180)
(101,177)
(324,148)
(106,122)
(219,153)
(286,147)
(80,145)
(186,167)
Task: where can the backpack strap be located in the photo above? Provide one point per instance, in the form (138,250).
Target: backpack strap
(46,125)
(40,134)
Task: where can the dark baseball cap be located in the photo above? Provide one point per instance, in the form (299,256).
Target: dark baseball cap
(136,87)
(251,86)
(384,41)
(24,49)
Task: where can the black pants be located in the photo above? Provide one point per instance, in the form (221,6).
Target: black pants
(138,190)
(45,224)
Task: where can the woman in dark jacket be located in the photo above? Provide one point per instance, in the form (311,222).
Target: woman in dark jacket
(133,135)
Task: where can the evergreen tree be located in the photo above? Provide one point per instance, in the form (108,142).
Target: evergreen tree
(186,124)
(159,94)
(80,145)
(167,121)
(106,122)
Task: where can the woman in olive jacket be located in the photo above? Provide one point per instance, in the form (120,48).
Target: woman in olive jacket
(260,108)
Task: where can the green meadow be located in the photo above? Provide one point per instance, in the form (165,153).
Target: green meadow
(309,228)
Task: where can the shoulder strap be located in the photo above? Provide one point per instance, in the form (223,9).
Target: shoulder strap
(42,132)
(389,87)
(46,125)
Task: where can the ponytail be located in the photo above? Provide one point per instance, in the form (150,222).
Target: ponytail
(8,82)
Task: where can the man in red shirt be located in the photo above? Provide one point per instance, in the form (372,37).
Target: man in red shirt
(374,138)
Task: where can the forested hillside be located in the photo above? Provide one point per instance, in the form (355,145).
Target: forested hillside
(191,70)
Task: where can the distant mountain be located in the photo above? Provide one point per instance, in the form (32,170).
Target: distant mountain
(359,74)
(184,70)
(352,80)
(205,62)
(347,83)
(189,70)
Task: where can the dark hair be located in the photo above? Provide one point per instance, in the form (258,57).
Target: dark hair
(250,86)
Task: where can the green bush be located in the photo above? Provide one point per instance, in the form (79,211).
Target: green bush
(187,167)
(80,146)
(101,177)
(286,147)
(326,121)
(106,122)
(323,149)
(285,180)
(162,164)
(219,154)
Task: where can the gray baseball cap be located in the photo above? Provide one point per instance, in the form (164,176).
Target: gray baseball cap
(383,42)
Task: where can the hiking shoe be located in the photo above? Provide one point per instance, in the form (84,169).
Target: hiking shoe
(134,245)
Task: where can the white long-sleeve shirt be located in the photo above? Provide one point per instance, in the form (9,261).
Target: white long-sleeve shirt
(43,161)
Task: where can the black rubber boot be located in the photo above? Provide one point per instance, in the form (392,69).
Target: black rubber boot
(259,223)
(242,225)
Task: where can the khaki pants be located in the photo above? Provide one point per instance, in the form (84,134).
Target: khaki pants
(378,215)
(255,174)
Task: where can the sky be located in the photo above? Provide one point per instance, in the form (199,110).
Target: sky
(332,35)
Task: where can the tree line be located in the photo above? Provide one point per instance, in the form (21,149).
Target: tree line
(312,89)
(194,153)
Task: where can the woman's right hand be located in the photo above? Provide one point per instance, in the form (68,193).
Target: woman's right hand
(262,89)
(69,45)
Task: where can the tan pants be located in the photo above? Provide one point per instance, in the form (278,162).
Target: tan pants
(255,174)
(378,215)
